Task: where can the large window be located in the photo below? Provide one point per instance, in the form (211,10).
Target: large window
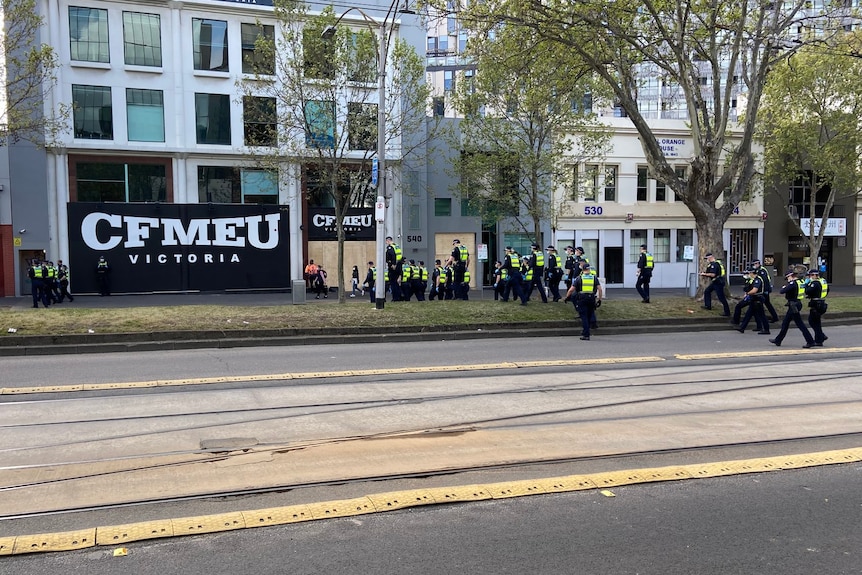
(610,183)
(209,45)
(254,60)
(232,185)
(636,239)
(212,118)
(661,245)
(106,182)
(142,39)
(362,126)
(259,121)
(88,35)
(318,55)
(442,207)
(145,115)
(93,115)
(642,185)
(660,191)
(591,183)
(320,124)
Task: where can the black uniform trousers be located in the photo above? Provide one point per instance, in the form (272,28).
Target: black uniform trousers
(793,314)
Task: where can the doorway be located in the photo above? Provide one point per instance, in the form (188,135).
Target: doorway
(614,265)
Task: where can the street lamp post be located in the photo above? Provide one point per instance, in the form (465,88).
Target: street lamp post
(380,204)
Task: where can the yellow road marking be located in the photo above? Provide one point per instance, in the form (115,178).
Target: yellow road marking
(380,502)
(769,353)
(317,375)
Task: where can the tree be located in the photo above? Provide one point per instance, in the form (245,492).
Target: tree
(524,126)
(26,76)
(705,51)
(811,131)
(319,95)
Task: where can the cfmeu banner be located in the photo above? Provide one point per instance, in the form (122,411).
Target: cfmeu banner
(179,247)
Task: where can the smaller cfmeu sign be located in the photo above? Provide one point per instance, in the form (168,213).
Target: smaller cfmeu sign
(672,147)
(358,224)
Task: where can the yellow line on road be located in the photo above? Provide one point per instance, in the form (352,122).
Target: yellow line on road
(118,535)
(319,375)
(769,353)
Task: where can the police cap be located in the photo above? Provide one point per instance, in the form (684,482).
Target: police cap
(814,271)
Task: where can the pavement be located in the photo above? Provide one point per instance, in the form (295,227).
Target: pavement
(22,345)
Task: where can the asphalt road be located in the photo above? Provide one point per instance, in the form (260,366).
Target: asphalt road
(800,522)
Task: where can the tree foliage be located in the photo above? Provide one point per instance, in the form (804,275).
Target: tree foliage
(325,90)
(26,77)
(524,125)
(708,54)
(810,128)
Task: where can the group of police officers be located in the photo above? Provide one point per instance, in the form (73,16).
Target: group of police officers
(49,283)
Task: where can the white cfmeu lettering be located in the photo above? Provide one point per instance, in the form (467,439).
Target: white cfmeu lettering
(136,232)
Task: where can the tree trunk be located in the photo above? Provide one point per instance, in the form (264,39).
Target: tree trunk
(710,240)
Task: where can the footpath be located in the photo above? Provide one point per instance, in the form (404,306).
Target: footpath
(24,345)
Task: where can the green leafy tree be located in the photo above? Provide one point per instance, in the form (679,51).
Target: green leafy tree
(811,131)
(710,54)
(26,77)
(524,126)
(320,93)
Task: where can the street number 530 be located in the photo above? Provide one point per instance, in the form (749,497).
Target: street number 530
(592,210)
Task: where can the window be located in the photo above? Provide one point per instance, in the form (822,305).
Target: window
(521,242)
(231,185)
(88,35)
(93,114)
(610,183)
(801,192)
(576,183)
(209,45)
(591,183)
(145,115)
(414,216)
(319,124)
(448,80)
(642,184)
(660,191)
(583,105)
(104,182)
(683,238)
(362,64)
(443,207)
(636,239)
(259,121)
(661,245)
(444,44)
(439,105)
(681,174)
(431,46)
(318,55)
(212,119)
(255,60)
(362,126)
(142,39)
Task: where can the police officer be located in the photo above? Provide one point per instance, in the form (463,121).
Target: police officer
(63,277)
(421,282)
(554,273)
(646,263)
(512,265)
(767,289)
(438,279)
(393,268)
(537,263)
(586,293)
(816,290)
(743,303)
(570,266)
(794,291)
(406,280)
(755,307)
(448,284)
(371,282)
(37,274)
(499,281)
(459,259)
(103,279)
(580,261)
(715,272)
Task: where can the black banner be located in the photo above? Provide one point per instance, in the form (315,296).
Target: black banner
(179,247)
(359,224)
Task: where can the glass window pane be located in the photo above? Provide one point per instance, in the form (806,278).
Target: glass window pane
(636,238)
(259,121)
(254,60)
(100,182)
(362,126)
(93,115)
(642,184)
(610,183)
(443,207)
(661,245)
(320,124)
(212,118)
(147,183)
(145,112)
(683,238)
(257,184)
(88,34)
(209,45)
(142,39)
(219,185)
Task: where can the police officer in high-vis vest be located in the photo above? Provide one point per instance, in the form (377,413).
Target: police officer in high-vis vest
(422,282)
(393,268)
(586,293)
(554,273)
(371,282)
(537,262)
(646,263)
(816,290)
(715,272)
(794,292)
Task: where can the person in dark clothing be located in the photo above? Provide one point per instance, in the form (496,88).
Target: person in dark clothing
(38,273)
(586,294)
(816,290)
(755,307)
(103,276)
(767,290)
(393,269)
(793,292)
(554,273)
(371,282)
(320,283)
(714,271)
(512,265)
(63,278)
(646,263)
